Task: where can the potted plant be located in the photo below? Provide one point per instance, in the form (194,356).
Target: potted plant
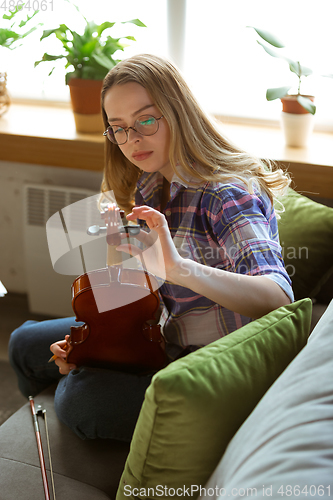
(89,57)
(10,38)
(297,109)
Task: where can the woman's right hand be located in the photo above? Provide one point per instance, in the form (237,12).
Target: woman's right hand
(162,257)
(58,350)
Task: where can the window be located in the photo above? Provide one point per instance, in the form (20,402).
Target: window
(220,58)
(231,72)
(25,81)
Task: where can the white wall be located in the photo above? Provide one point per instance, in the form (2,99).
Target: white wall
(12,178)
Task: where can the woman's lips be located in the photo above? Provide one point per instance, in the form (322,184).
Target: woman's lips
(141,155)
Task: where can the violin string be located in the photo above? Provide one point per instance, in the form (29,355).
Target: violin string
(146,273)
(82,259)
(142,262)
(65,229)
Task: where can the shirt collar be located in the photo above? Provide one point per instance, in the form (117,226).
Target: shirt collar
(152,182)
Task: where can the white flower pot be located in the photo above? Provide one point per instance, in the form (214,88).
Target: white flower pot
(297,128)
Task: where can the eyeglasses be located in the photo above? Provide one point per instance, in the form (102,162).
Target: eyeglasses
(144,125)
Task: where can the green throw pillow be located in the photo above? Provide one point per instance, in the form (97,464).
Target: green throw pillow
(195,405)
(306,237)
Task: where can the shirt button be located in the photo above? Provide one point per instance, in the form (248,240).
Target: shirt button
(167,213)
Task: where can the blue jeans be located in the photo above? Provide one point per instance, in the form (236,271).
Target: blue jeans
(94,403)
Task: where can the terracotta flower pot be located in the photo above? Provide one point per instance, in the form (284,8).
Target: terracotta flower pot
(291,105)
(86,104)
(297,123)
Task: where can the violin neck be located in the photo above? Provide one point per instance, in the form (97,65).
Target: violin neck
(113,257)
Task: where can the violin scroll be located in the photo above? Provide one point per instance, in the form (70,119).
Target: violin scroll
(112,216)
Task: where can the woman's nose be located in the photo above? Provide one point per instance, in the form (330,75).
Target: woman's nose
(132,134)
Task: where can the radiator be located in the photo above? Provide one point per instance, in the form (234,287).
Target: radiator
(49,293)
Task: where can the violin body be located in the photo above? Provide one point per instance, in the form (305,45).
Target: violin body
(118,307)
(114,335)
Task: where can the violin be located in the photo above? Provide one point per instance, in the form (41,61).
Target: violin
(117,306)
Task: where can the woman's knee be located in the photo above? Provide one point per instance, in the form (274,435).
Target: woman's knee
(19,339)
(37,336)
(20,333)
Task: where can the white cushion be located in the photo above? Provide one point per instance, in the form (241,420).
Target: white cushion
(286,444)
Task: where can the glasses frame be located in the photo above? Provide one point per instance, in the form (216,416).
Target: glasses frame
(126,130)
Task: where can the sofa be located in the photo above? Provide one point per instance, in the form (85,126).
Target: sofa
(248,415)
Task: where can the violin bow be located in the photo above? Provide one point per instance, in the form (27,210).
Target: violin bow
(40,447)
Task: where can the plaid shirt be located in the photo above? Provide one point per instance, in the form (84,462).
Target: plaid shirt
(218,225)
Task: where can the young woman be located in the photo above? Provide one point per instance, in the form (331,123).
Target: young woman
(211,206)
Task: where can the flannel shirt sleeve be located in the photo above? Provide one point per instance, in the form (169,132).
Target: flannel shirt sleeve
(245,227)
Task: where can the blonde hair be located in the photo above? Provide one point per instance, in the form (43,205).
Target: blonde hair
(194,138)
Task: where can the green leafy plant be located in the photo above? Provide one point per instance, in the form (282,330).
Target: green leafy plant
(11,36)
(88,55)
(295,67)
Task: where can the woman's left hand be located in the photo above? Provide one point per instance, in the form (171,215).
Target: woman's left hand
(161,256)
